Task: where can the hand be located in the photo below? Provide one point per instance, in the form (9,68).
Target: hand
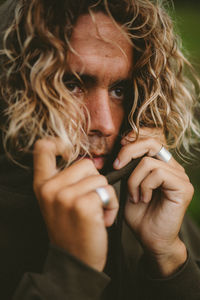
(72,210)
(159,194)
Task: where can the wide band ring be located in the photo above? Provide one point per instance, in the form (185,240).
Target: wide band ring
(104,196)
(164,155)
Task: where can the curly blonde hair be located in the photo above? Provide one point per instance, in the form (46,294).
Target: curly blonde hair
(33,63)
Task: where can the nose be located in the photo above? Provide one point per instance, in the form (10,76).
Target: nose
(101,113)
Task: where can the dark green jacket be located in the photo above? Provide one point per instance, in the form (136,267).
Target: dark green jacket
(32,269)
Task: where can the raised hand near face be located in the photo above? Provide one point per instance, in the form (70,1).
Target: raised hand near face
(73,212)
(159,194)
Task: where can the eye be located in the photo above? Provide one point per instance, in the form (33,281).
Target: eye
(118,93)
(74,88)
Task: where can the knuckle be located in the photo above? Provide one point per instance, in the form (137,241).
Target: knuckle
(43,145)
(187,192)
(88,163)
(186,177)
(64,201)
(152,143)
(159,172)
(111,190)
(152,140)
(103,180)
(113,195)
(79,204)
(62,197)
(80,207)
(146,161)
(46,191)
(38,144)
(190,189)
(181,168)
(123,151)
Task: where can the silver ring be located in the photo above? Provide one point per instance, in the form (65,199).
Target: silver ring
(164,155)
(103,194)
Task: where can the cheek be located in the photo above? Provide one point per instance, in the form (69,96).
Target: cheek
(118,118)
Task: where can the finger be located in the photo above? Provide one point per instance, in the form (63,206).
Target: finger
(78,189)
(149,147)
(94,205)
(134,194)
(110,210)
(45,152)
(72,196)
(146,166)
(145,132)
(129,138)
(176,190)
(74,174)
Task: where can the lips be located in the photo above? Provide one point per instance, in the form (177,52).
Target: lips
(98,159)
(95,155)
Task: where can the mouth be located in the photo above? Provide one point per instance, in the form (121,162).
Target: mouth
(98,159)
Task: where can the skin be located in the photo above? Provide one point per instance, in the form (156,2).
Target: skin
(156,217)
(72,210)
(104,69)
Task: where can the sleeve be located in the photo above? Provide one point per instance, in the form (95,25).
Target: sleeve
(63,277)
(183,285)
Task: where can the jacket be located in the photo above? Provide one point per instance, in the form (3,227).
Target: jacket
(31,268)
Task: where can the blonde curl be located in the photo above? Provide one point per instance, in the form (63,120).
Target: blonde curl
(39,105)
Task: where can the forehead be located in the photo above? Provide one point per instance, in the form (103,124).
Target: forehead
(99,38)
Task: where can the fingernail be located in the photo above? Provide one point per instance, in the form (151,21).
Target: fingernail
(116,163)
(143,199)
(124,142)
(130,198)
(133,199)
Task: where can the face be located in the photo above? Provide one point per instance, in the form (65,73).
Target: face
(104,70)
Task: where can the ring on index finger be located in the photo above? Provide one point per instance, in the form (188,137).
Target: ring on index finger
(164,155)
(104,196)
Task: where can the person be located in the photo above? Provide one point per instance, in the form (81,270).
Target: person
(86,88)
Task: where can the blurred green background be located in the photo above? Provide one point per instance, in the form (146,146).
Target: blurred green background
(186,15)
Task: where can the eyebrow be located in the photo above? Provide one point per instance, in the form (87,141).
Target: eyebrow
(83,77)
(92,79)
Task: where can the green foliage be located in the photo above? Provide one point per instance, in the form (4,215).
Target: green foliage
(187,20)
(188,23)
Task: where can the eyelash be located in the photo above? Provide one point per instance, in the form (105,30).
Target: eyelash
(122,92)
(76,84)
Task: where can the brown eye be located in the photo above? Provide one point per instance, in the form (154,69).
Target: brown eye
(74,88)
(118,93)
